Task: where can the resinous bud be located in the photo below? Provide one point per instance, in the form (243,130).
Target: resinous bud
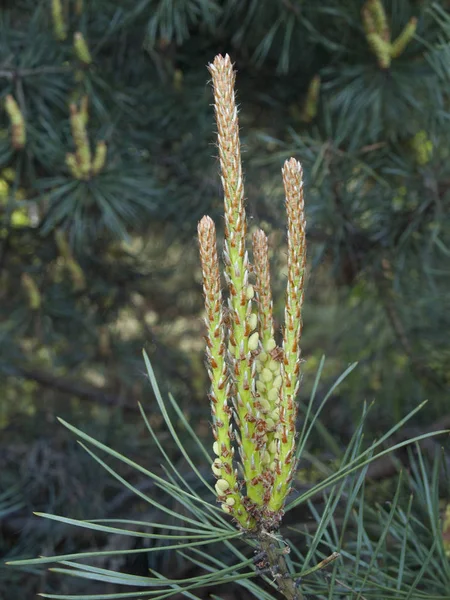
(272,394)
(216,448)
(270,345)
(253,341)
(260,386)
(265,404)
(266,375)
(226,508)
(230,501)
(277,382)
(216,468)
(221,486)
(249,292)
(253,321)
(273,447)
(270,423)
(274,366)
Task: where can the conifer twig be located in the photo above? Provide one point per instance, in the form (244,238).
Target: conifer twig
(293,186)
(242,339)
(227,485)
(259,379)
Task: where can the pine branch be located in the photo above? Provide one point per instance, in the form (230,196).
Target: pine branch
(276,564)
(14,73)
(67,386)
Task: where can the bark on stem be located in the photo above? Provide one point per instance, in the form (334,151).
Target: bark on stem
(278,567)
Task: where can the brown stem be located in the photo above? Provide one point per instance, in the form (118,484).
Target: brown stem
(276,562)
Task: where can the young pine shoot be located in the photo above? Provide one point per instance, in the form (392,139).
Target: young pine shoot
(254,382)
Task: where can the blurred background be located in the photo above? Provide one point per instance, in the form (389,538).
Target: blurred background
(107,163)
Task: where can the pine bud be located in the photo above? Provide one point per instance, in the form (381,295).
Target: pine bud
(253,341)
(216,468)
(422,147)
(270,423)
(81,48)
(266,375)
(262,356)
(253,321)
(273,447)
(18,129)
(270,345)
(312,100)
(84,108)
(277,382)
(265,405)
(274,366)
(261,386)
(381,49)
(379,15)
(99,158)
(272,394)
(81,140)
(59,26)
(72,165)
(399,45)
(221,486)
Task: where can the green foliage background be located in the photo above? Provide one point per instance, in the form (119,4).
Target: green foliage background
(377,199)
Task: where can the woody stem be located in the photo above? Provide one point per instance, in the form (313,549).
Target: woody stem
(278,567)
